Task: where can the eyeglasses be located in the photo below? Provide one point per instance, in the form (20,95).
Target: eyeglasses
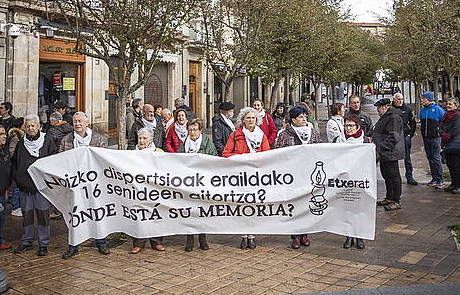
(350,125)
(193,130)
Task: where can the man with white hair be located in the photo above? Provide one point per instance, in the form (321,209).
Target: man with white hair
(168,118)
(147,121)
(83,136)
(33,146)
(409,126)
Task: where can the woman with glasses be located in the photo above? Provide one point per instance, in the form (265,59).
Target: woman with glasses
(197,142)
(298,131)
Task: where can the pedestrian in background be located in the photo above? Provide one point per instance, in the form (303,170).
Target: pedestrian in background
(354,103)
(265,121)
(431,115)
(58,128)
(5,181)
(6,115)
(409,126)
(450,142)
(279,115)
(197,143)
(15,134)
(83,136)
(177,132)
(334,126)
(222,125)
(388,137)
(167,118)
(133,113)
(147,121)
(33,146)
(298,131)
(248,138)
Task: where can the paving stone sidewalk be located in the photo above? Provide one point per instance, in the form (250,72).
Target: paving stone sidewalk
(413,246)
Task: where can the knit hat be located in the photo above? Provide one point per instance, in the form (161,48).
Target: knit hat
(296,111)
(226,106)
(428,95)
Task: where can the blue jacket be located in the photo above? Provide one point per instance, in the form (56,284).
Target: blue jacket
(430,120)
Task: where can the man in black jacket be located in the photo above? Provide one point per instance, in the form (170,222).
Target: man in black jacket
(222,126)
(7,118)
(409,126)
(389,141)
(33,146)
(354,103)
(147,121)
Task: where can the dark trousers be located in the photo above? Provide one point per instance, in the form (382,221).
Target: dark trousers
(433,154)
(407,160)
(393,183)
(453,163)
(2,216)
(141,242)
(35,205)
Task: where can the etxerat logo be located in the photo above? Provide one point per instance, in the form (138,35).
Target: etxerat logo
(318,178)
(348,183)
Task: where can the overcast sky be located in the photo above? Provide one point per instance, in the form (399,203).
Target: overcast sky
(368,10)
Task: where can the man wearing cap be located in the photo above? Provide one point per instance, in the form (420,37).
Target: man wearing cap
(388,137)
(409,126)
(222,126)
(430,120)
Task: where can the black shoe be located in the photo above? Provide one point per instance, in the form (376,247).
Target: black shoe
(412,182)
(203,242)
(450,188)
(244,243)
(383,202)
(42,251)
(348,243)
(295,244)
(23,248)
(456,191)
(359,244)
(104,250)
(252,243)
(71,252)
(189,243)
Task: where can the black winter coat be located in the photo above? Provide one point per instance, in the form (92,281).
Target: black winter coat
(22,160)
(409,124)
(158,135)
(220,133)
(388,136)
(366,121)
(5,167)
(57,133)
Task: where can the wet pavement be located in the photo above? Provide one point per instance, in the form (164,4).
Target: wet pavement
(413,246)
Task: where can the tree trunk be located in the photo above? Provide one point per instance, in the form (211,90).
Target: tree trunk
(334,93)
(121,111)
(418,91)
(228,83)
(317,95)
(275,87)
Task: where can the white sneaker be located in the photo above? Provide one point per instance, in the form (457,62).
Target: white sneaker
(17,212)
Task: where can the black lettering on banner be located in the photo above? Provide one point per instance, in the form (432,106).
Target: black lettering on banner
(71,181)
(78,217)
(257,210)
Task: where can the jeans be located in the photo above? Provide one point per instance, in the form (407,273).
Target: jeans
(15,203)
(393,183)
(2,216)
(407,160)
(433,154)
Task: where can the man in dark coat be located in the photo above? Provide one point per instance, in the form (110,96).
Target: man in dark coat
(6,114)
(388,137)
(355,109)
(222,126)
(33,146)
(58,128)
(147,121)
(409,126)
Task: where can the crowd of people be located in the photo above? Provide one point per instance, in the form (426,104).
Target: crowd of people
(25,140)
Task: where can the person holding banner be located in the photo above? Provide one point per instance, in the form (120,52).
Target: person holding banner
(200,143)
(145,141)
(33,146)
(177,132)
(248,138)
(298,132)
(353,134)
(83,136)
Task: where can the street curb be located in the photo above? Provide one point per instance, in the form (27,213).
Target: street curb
(454,235)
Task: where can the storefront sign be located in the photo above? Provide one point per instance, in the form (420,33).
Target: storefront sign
(59,50)
(68,84)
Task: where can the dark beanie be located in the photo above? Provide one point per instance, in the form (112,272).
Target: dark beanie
(296,111)
(226,106)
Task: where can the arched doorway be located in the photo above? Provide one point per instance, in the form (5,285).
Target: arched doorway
(153,90)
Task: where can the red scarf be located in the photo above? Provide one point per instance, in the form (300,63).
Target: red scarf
(357,134)
(451,115)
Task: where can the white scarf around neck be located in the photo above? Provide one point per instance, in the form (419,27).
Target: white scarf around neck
(254,138)
(304,133)
(79,141)
(151,125)
(34,146)
(181,131)
(260,117)
(193,146)
(228,122)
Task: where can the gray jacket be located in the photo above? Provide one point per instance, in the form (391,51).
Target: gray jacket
(388,136)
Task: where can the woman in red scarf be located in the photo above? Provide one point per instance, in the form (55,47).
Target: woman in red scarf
(265,122)
(177,132)
(450,143)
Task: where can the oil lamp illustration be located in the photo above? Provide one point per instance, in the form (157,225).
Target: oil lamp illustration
(318,179)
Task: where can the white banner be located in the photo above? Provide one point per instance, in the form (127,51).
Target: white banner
(294,190)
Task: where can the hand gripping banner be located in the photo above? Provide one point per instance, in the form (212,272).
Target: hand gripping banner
(294,190)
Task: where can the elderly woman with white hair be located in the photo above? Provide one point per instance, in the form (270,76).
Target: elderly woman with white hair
(248,138)
(145,142)
(33,146)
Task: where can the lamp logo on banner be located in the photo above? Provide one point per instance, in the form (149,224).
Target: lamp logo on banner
(294,190)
